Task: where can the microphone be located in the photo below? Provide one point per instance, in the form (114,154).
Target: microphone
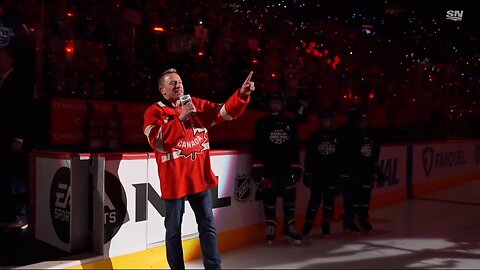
(184,100)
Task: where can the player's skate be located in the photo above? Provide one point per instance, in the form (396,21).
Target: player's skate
(270,233)
(365,225)
(307,227)
(325,228)
(351,227)
(291,234)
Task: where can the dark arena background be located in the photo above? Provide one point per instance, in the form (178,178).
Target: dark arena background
(89,69)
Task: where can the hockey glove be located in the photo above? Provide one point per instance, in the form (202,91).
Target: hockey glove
(262,187)
(296,172)
(378,175)
(257,174)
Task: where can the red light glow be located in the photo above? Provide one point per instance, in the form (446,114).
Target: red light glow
(70,48)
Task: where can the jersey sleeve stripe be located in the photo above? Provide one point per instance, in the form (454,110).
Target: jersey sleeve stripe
(224,114)
(158,138)
(159,143)
(148,129)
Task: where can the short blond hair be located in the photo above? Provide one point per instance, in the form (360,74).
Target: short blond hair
(166,72)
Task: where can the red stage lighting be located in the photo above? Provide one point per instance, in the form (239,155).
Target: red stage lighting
(69,50)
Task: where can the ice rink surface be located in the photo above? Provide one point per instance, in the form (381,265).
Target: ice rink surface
(437,230)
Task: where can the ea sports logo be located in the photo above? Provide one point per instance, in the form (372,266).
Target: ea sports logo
(115,206)
(60,196)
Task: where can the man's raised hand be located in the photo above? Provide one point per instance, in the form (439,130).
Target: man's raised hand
(248,86)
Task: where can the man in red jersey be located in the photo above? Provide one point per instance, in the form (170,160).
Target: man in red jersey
(176,128)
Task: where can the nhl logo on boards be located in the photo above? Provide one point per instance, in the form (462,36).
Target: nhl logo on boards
(243,189)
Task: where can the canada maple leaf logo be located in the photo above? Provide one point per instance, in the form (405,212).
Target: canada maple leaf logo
(191,146)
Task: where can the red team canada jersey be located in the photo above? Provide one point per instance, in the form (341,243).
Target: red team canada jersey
(182,149)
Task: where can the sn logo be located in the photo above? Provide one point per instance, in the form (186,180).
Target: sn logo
(454,15)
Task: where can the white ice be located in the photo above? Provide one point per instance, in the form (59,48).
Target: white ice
(437,230)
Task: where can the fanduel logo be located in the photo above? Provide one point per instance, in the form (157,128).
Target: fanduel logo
(449,159)
(427,160)
(442,160)
(454,15)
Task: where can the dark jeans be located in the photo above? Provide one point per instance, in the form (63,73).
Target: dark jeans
(201,204)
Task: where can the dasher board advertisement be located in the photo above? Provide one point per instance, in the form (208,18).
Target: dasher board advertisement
(234,204)
(393,163)
(123,232)
(433,162)
(61,204)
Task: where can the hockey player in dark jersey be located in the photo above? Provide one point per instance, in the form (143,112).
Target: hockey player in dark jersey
(368,171)
(348,150)
(358,152)
(276,167)
(320,174)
